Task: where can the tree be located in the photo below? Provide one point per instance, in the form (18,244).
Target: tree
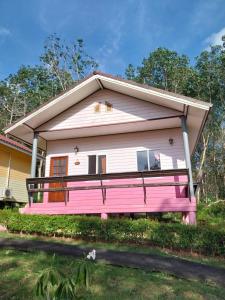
(165,69)
(210,67)
(66,63)
(61,66)
(130,72)
(205,80)
(25,90)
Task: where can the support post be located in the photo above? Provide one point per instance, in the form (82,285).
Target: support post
(189,218)
(187,155)
(104,216)
(34,155)
(33,163)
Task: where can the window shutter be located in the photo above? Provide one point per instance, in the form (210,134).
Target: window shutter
(92,164)
(102,164)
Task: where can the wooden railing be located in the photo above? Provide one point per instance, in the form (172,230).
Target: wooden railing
(37,185)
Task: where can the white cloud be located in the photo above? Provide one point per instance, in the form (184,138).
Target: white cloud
(108,53)
(4,31)
(215,38)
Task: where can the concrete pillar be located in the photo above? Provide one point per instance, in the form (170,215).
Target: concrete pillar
(34,155)
(189,218)
(187,155)
(104,216)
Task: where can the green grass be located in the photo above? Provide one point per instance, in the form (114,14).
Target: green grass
(19,272)
(213,261)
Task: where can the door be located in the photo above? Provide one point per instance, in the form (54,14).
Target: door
(58,167)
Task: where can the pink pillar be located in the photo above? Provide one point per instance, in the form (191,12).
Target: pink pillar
(189,218)
(104,216)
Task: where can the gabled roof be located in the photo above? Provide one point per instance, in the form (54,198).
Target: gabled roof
(15,145)
(195,110)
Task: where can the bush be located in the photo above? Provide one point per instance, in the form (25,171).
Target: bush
(204,239)
(216,209)
(213,213)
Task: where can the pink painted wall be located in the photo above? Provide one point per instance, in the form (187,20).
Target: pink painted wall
(158,199)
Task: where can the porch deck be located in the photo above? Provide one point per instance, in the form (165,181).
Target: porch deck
(128,192)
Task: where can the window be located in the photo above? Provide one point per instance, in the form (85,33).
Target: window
(96,164)
(142,161)
(58,166)
(148,160)
(108,106)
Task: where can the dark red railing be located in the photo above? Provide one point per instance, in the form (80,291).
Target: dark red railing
(37,185)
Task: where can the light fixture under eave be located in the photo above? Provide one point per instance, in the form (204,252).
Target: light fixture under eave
(76,150)
(171,141)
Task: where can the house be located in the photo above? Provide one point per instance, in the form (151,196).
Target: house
(113,146)
(15,162)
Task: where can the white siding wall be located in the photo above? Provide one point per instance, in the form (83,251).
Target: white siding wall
(120,150)
(125,109)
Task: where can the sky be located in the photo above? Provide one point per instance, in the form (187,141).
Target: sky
(115,32)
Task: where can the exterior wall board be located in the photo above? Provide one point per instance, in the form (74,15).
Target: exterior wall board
(124,109)
(19,171)
(120,150)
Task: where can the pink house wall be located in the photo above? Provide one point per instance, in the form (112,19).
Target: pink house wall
(120,151)
(118,200)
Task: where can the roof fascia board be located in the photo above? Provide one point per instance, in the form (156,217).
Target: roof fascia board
(48,105)
(201,130)
(21,150)
(102,78)
(16,148)
(154,93)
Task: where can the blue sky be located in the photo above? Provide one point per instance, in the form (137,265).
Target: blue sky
(116,32)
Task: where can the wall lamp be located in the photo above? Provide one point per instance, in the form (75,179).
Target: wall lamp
(171,141)
(76,150)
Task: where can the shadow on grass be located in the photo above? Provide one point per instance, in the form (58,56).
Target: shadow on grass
(19,272)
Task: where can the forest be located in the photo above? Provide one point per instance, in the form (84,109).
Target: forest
(62,64)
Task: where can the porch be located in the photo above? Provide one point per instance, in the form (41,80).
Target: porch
(127,192)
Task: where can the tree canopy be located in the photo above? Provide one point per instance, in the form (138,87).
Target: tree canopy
(205,80)
(60,66)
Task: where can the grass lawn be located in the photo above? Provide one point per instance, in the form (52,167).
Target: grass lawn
(19,272)
(214,261)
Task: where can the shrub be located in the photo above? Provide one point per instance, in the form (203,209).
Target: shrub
(213,213)
(204,239)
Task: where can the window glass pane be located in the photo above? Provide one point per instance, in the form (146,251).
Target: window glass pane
(154,160)
(142,161)
(101,164)
(92,164)
(59,167)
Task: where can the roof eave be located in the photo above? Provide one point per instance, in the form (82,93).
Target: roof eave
(149,91)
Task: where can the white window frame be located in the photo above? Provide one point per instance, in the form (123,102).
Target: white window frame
(153,150)
(96,163)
